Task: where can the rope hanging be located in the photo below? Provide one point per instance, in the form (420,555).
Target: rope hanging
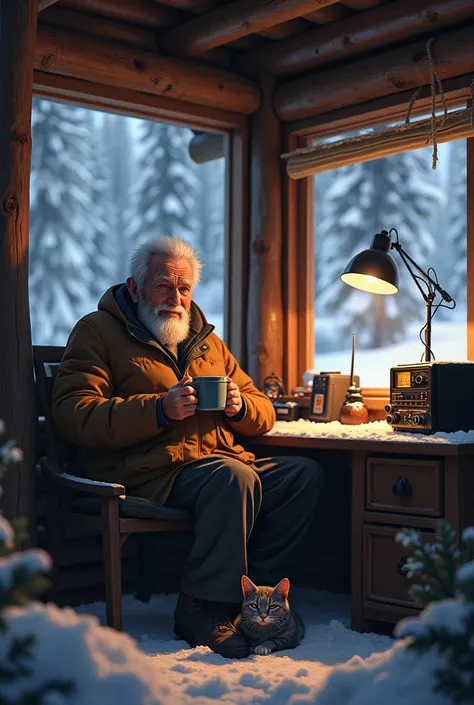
(435,123)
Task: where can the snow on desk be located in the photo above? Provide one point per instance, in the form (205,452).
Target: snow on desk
(373,431)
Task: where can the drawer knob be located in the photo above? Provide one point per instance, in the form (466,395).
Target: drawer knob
(401,564)
(402,487)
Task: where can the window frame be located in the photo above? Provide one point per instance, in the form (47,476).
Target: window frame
(299,225)
(234,127)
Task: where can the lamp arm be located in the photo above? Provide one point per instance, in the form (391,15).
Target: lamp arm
(406,260)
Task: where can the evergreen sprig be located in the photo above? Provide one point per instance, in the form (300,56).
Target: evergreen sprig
(447,573)
(22,576)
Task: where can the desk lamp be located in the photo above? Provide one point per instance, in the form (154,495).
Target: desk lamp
(374,270)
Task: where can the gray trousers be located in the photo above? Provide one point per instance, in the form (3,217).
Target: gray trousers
(249,520)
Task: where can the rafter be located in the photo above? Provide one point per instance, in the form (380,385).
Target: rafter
(396,70)
(43,4)
(230,22)
(326,15)
(144,13)
(355,35)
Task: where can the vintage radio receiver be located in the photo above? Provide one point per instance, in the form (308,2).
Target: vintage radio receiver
(431,396)
(328,395)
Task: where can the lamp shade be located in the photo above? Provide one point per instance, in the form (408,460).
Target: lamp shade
(373,270)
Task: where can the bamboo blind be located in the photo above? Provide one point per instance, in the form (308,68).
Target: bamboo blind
(402,138)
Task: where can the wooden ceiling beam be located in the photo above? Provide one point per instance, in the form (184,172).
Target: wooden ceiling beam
(194,6)
(359,81)
(144,13)
(359,34)
(230,22)
(115,64)
(326,15)
(43,4)
(361,4)
(138,36)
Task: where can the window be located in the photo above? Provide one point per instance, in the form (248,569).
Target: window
(429,210)
(101,184)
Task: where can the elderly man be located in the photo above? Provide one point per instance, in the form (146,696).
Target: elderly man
(124,393)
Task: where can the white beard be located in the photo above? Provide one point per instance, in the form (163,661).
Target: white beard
(168,331)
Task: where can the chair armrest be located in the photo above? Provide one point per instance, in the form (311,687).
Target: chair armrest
(83,484)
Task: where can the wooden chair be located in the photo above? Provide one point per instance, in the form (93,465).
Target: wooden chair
(99,505)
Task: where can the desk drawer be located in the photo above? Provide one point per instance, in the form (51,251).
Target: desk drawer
(405,486)
(383,579)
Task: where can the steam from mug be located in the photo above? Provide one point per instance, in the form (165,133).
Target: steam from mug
(211,393)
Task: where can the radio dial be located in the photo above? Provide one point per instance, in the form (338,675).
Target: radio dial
(419,379)
(419,419)
(388,408)
(393,418)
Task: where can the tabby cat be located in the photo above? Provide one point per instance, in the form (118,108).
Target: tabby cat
(266,621)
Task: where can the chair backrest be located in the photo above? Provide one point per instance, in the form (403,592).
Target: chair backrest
(46,360)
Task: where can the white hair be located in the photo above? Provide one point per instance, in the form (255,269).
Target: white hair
(168,246)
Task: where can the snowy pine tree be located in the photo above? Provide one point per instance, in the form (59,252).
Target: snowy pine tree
(119,153)
(165,194)
(60,208)
(399,192)
(446,627)
(20,575)
(104,236)
(210,207)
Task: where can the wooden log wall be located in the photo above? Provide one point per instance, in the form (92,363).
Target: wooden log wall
(17,398)
(265,302)
(110,63)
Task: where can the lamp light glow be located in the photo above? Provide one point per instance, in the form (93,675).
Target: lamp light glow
(367,282)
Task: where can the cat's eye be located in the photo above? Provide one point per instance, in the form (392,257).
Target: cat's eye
(273,607)
(253,606)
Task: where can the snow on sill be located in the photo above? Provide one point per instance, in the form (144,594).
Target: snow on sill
(373,431)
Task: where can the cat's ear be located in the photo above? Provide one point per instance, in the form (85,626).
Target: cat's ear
(247,586)
(282,589)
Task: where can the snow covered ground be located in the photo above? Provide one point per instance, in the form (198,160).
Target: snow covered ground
(200,677)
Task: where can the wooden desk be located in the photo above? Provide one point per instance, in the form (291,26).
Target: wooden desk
(395,484)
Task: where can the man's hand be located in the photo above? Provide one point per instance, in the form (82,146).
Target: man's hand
(180,401)
(234,400)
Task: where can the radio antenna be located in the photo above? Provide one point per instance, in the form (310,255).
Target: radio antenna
(352,360)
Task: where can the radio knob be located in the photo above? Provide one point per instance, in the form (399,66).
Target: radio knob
(419,419)
(419,379)
(388,408)
(393,418)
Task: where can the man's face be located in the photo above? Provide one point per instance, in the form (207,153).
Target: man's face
(165,300)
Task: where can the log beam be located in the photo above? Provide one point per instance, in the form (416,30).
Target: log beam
(265,300)
(18,21)
(206,147)
(124,32)
(142,13)
(356,35)
(394,71)
(108,62)
(231,22)
(43,4)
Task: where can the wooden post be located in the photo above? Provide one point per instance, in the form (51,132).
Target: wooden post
(17,399)
(264,312)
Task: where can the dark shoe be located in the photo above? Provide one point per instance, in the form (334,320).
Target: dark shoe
(200,623)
